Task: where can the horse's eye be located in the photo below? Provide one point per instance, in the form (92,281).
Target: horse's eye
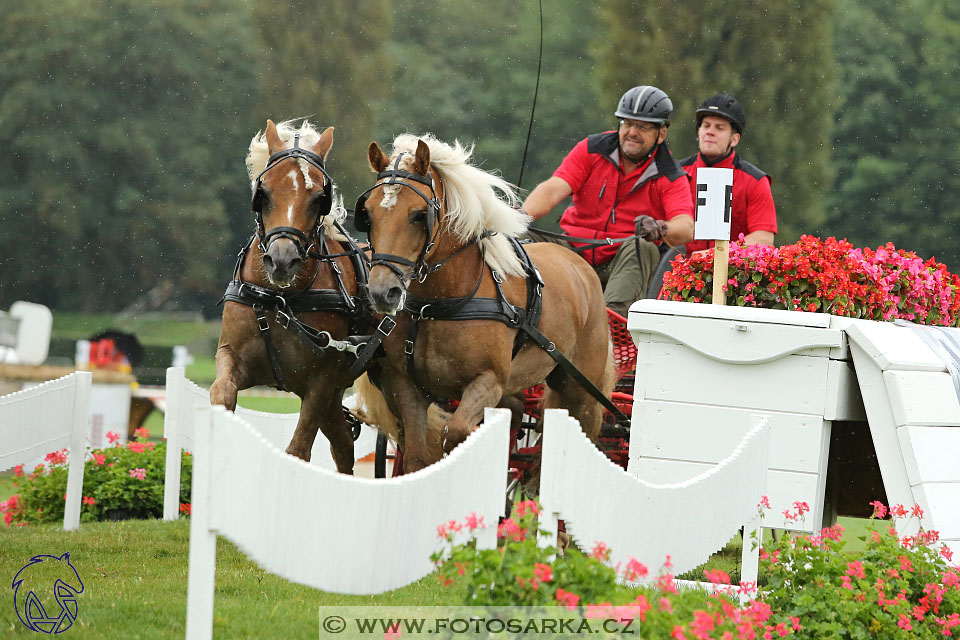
(417,216)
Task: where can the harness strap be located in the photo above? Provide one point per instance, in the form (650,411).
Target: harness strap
(370,347)
(264,325)
(591,243)
(571,370)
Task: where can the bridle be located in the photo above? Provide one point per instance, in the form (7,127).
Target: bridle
(303,242)
(419,268)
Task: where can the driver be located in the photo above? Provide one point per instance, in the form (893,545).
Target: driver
(623,182)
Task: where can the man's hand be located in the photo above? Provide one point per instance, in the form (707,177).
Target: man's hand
(651,229)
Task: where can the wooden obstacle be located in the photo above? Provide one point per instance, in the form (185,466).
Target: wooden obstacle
(184,398)
(327,530)
(46,418)
(600,502)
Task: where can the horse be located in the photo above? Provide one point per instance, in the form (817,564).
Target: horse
(476,315)
(293,299)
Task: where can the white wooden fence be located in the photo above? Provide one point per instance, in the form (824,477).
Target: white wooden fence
(46,418)
(323,529)
(183,398)
(599,501)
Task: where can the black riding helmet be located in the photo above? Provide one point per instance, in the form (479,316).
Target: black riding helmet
(726,107)
(645,103)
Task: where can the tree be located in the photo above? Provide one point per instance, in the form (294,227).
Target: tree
(776,58)
(474,79)
(121,129)
(325,60)
(898,166)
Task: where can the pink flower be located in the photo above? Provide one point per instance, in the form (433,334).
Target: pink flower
(99,459)
(448,529)
(904,622)
(635,570)
(88,500)
(138,473)
(18,471)
(543,572)
(716,576)
(764,502)
(527,506)
(905,563)
(142,432)
(112,436)
(917,511)
(137,447)
(473,522)
(845,582)
(855,569)
(56,457)
(879,510)
(567,599)
(600,551)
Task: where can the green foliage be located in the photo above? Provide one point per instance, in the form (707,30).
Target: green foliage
(776,58)
(118,482)
(122,146)
(483,92)
(895,140)
(326,60)
(892,587)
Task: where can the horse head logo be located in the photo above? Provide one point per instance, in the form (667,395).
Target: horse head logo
(45,593)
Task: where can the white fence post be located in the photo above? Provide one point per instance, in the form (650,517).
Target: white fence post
(173,421)
(203,541)
(78,450)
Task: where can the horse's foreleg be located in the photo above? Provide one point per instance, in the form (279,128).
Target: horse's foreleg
(320,410)
(226,385)
(483,391)
(411,407)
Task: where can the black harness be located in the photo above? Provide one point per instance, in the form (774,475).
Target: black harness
(284,305)
(525,320)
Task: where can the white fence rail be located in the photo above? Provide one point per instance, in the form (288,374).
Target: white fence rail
(690,520)
(46,418)
(326,530)
(184,398)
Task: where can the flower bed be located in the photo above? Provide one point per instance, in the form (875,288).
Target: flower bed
(119,482)
(810,587)
(826,276)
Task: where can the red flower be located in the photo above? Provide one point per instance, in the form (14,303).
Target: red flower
(112,436)
(567,599)
(543,572)
(185,508)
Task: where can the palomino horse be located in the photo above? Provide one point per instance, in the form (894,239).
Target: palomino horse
(471,310)
(293,298)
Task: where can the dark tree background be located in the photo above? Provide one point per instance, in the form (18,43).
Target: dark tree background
(124,125)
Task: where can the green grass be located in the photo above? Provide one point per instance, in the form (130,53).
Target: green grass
(135,585)
(150,329)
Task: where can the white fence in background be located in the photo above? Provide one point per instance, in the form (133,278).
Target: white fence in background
(184,398)
(46,418)
(326,530)
(599,501)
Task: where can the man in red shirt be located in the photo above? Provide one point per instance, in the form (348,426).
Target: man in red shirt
(624,183)
(720,124)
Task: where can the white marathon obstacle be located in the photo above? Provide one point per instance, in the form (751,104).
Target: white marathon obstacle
(910,388)
(45,418)
(703,369)
(690,520)
(184,397)
(326,530)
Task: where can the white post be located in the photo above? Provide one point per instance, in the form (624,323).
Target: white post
(171,431)
(750,556)
(551,472)
(203,542)
(78,449)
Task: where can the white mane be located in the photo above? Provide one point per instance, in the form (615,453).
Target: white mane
(258,154)
(473,204)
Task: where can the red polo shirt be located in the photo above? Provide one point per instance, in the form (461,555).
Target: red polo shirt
(752,209)
(606,202)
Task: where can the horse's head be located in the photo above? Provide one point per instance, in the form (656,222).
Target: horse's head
(402,214)
(292,193)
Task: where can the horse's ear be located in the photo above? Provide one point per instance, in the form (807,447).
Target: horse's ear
(378,160)
(274,143)
(322,148)
(421,163)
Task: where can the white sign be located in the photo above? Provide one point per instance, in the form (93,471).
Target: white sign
(713,205)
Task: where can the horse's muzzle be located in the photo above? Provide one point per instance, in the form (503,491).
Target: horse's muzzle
(282,262)
(386,299)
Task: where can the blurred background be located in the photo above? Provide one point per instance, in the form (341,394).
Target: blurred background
(123,125)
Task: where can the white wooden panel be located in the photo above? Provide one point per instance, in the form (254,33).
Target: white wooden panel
(737,341)
(795,384)
(36,421)
(748,314)
(843,393)
(707,433)
(922,398)
(344,534)
(783,489)
(688,520)
(893,347)
(930,453)
(941,504)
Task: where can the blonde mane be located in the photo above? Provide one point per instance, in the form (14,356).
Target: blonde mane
(473,204)
(258,154)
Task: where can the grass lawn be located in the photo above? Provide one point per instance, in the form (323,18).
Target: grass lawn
(135,585)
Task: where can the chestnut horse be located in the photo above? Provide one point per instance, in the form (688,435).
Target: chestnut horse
(293,299)
(446,263)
